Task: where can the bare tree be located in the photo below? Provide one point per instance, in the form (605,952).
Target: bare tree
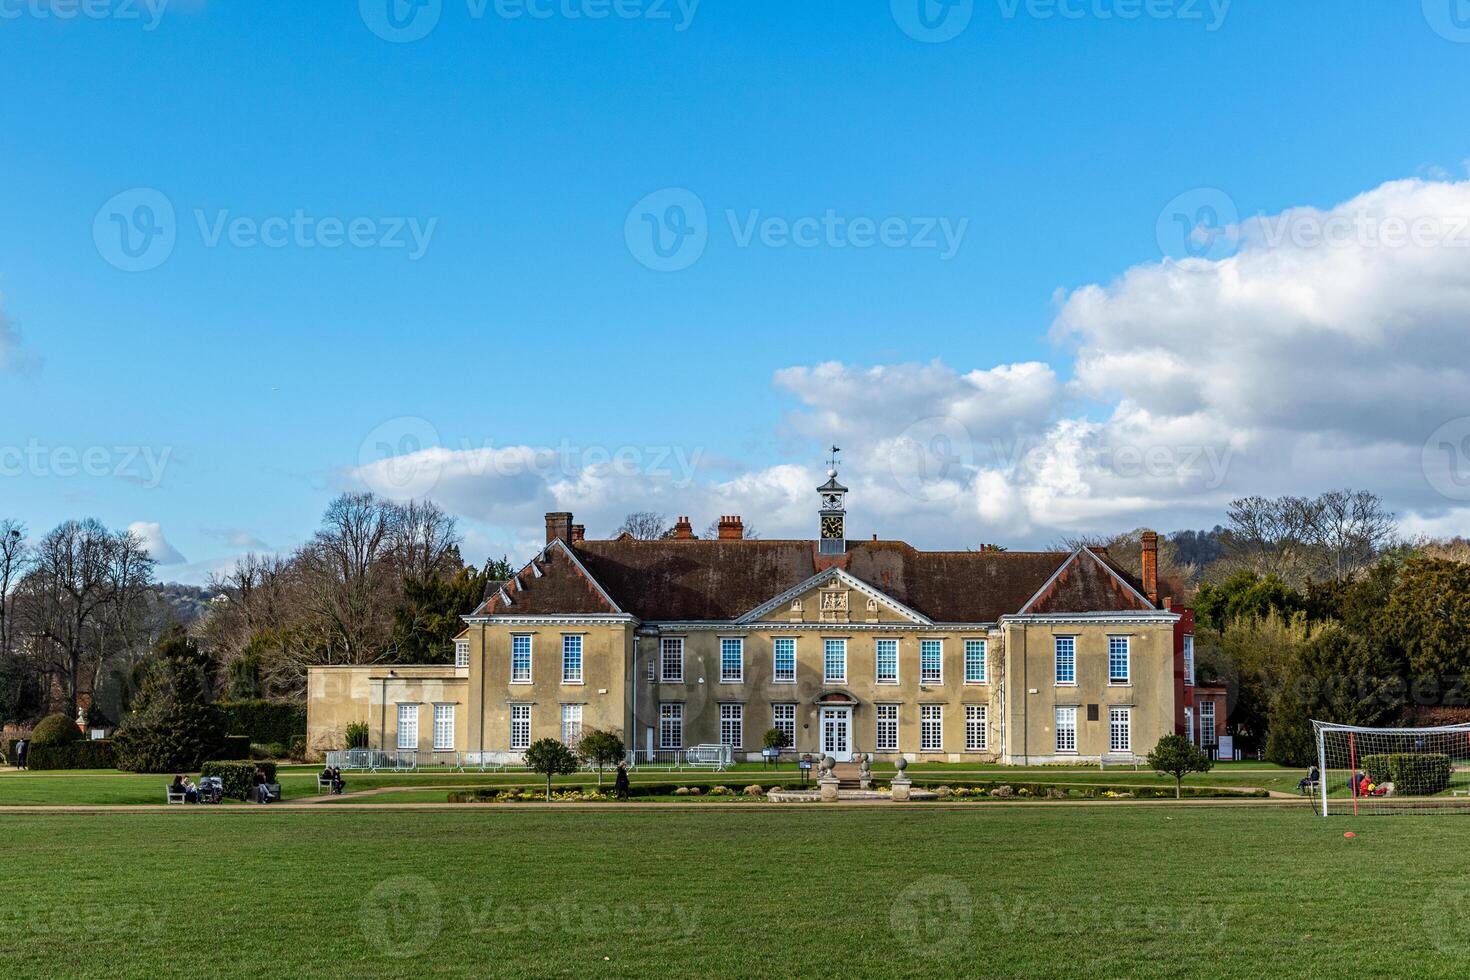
(1334,534)
(78,598)
(1351,528)
(349,579)
(644,525)
(425,539)
(14,555)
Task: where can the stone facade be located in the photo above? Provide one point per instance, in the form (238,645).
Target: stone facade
(850,647)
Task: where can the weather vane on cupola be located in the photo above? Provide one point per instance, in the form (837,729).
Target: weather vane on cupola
(834,510)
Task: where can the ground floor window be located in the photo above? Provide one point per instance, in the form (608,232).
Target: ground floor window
(1066,729)
(732,725)
(443,727)
(783,719)
(931,728)
(408,726)
(1120,729)
(977,738)
(1189,724)
(520,726)
(1207,723)
(671,726)
(886,739)
(571,724)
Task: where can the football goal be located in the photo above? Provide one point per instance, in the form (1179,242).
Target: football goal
(1391,770)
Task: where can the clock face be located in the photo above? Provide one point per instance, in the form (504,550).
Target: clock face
(831,527)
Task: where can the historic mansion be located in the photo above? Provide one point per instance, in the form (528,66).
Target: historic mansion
(846,646)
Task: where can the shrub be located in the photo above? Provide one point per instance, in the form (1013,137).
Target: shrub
(755,791)
(1412,774)
(238,777)
(601,749)
(55,729)
(297,748)
(721,791)
(97,754)
(172,727)
(234,747)
(550,758)
(357,735)
(265,722)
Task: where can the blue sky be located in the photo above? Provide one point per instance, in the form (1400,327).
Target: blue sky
(520,145)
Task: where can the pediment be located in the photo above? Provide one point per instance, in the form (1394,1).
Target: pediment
(833,596)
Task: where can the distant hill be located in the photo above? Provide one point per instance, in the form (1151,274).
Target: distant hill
(184,604)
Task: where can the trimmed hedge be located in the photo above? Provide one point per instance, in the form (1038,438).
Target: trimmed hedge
(238,777)
(1412,774)
(55,729)
(265,722)
(97,754)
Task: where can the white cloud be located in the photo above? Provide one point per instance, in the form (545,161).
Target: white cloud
(1322,353)
(237,537)
(151,534)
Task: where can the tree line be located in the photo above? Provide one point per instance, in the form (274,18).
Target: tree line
(81,614)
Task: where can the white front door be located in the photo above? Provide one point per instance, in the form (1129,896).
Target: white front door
(837,733)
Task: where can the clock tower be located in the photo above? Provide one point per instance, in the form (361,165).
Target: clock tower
(833,513)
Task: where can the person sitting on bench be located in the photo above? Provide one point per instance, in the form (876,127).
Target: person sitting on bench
(1309,780)
(262,786)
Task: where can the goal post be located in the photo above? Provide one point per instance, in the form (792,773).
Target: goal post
(1366,771)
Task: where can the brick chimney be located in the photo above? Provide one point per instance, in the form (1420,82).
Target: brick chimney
(731,528)
(683,530)
(1151,566)
(579,533)
(559,526)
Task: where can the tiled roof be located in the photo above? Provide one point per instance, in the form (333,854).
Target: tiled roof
(721,580)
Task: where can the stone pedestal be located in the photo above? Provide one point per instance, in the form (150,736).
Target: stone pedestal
(901,781)
(828,785)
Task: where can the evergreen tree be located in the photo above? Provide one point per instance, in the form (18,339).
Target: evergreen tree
(172,727)
(1337,677)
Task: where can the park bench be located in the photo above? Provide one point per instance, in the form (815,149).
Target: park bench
(717,757)
(175,797)
(1118,759)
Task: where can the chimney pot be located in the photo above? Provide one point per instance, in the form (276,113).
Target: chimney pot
(731,528)
(1151,566)
(559,526)
(683,530)
(579,533)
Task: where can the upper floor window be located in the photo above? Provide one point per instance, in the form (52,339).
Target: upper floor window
(520,658)
(931,661)
(1066,660)
(1118,666)
(671,660)
(783,670)
(976,667)
(461,653)
(887,656)
(571,658)
(834,661)
(1188,660)
(732,660)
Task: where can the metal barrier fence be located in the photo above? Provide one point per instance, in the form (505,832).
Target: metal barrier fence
(715,757)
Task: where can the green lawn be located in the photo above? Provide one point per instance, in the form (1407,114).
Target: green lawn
(108,787)
(1014,891)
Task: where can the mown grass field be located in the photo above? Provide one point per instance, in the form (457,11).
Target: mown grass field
(999,891)
(297,782)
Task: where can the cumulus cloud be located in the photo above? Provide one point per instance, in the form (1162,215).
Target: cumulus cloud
(153,539)
(1323,351)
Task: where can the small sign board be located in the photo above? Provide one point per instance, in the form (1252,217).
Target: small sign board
(98,734)
(1227,747)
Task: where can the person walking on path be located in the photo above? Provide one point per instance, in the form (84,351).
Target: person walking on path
(22,750)
(620,785)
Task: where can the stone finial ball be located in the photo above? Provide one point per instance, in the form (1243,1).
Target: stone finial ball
(901,763)
(828,762)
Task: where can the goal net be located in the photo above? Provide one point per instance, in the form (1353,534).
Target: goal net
(1390,770)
